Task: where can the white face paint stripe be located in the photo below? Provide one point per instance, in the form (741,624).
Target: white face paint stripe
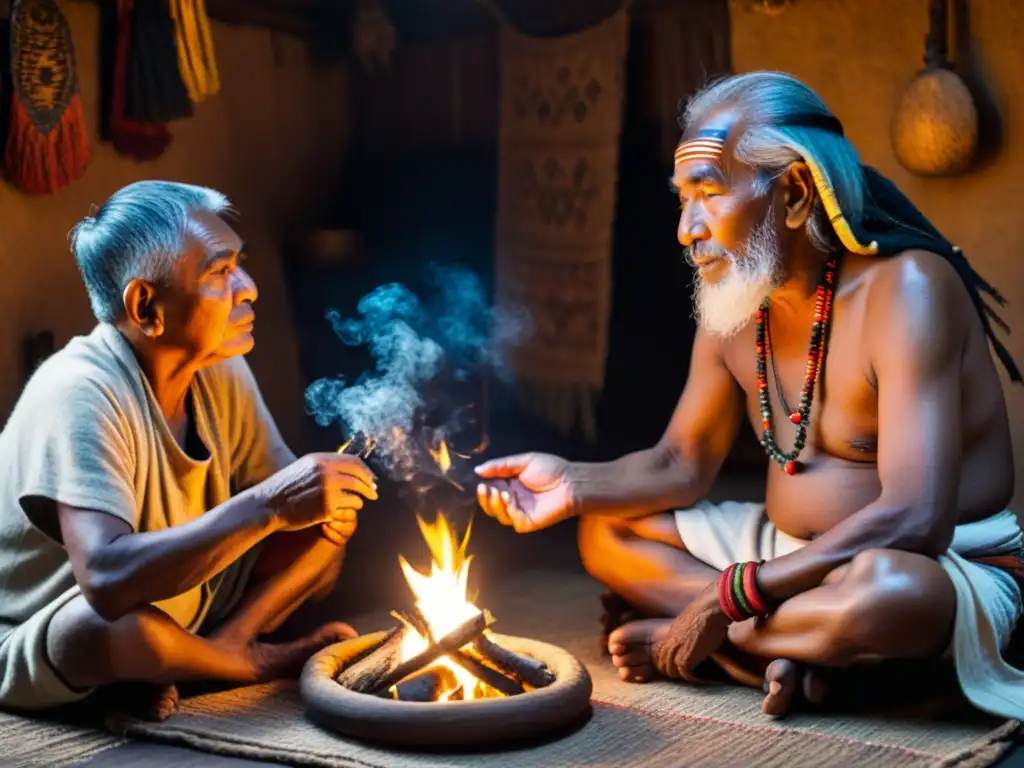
(707,145)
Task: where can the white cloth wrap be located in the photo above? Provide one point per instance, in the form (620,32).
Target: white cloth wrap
(988,598)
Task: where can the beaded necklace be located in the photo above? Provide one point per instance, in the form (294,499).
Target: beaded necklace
(815,357)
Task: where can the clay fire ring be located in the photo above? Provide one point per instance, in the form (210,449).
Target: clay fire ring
(449,724)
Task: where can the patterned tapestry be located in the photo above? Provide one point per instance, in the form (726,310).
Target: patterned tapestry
(561,120)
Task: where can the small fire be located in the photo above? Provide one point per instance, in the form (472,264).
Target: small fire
(363,448)
(442,600)
(441,597)
(442,457)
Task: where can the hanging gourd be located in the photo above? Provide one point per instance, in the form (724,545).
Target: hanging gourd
(935,128)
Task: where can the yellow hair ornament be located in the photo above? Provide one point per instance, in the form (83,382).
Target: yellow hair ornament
(835,214)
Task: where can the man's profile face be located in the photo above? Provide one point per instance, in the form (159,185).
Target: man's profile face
(727,224)
(208,310)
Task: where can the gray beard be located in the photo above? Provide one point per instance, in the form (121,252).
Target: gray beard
(724,308)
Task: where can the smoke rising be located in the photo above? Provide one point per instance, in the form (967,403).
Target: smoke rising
(417,344)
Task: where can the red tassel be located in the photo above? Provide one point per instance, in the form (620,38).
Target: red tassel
(42,163)
(48,142)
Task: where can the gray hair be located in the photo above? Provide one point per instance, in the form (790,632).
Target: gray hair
(138,233)
(766,99)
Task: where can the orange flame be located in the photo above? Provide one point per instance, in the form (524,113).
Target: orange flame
(442,600)
(441,456)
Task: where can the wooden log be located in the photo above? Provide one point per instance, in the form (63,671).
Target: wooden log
(462,635)
(487,675)
(491,676)
(426,686)
(525,670)
(365,675)
(414,617)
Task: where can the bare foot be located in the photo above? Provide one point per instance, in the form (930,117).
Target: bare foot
(277,661)
(616,613)
(146,701)
(785,682)
(631,646)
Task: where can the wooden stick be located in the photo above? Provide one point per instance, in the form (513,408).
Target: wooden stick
(529,671)
(460,636)
(487,675)
(491,676)
(426,686)
(417,621)
(365,675)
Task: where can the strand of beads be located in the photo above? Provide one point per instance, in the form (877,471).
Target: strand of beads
(815,357)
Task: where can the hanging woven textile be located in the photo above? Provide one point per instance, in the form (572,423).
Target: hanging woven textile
(156,92)
(195,49)
(141,141)
(558,161)
(48,142)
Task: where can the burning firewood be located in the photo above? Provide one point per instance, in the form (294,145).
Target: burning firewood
(487,675)
(427,685)
(522,669)
(367,673)
(491,676)
(382,669)
(414,664)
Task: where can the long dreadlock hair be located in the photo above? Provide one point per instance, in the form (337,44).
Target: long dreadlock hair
(857,208)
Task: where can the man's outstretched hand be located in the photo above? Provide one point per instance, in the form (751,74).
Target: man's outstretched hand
(528,492)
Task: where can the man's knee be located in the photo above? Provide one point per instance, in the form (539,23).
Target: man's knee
(283,550)
(893,603)
(605,542)
(329,574)
(88,651)
(601,540)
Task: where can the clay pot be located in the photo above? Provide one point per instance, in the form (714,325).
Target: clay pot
(935,128)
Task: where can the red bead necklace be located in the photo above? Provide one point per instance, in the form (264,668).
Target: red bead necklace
(815,357)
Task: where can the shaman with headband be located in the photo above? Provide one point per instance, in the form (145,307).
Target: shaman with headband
(710,143)
(867,214)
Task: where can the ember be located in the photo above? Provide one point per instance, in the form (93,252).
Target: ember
(442,651)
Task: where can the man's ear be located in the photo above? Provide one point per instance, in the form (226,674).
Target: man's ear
(142,308)
(799,194)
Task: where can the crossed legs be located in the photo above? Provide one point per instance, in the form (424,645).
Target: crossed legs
(882,605)
(147,646)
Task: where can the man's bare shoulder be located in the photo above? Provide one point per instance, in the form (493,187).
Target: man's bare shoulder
(916,286)
(917,298)
(914,278)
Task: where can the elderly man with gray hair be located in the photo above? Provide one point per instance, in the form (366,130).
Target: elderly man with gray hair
(153,523)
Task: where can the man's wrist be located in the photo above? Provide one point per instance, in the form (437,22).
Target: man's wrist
(261,509)
(739,594)
(577,482)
